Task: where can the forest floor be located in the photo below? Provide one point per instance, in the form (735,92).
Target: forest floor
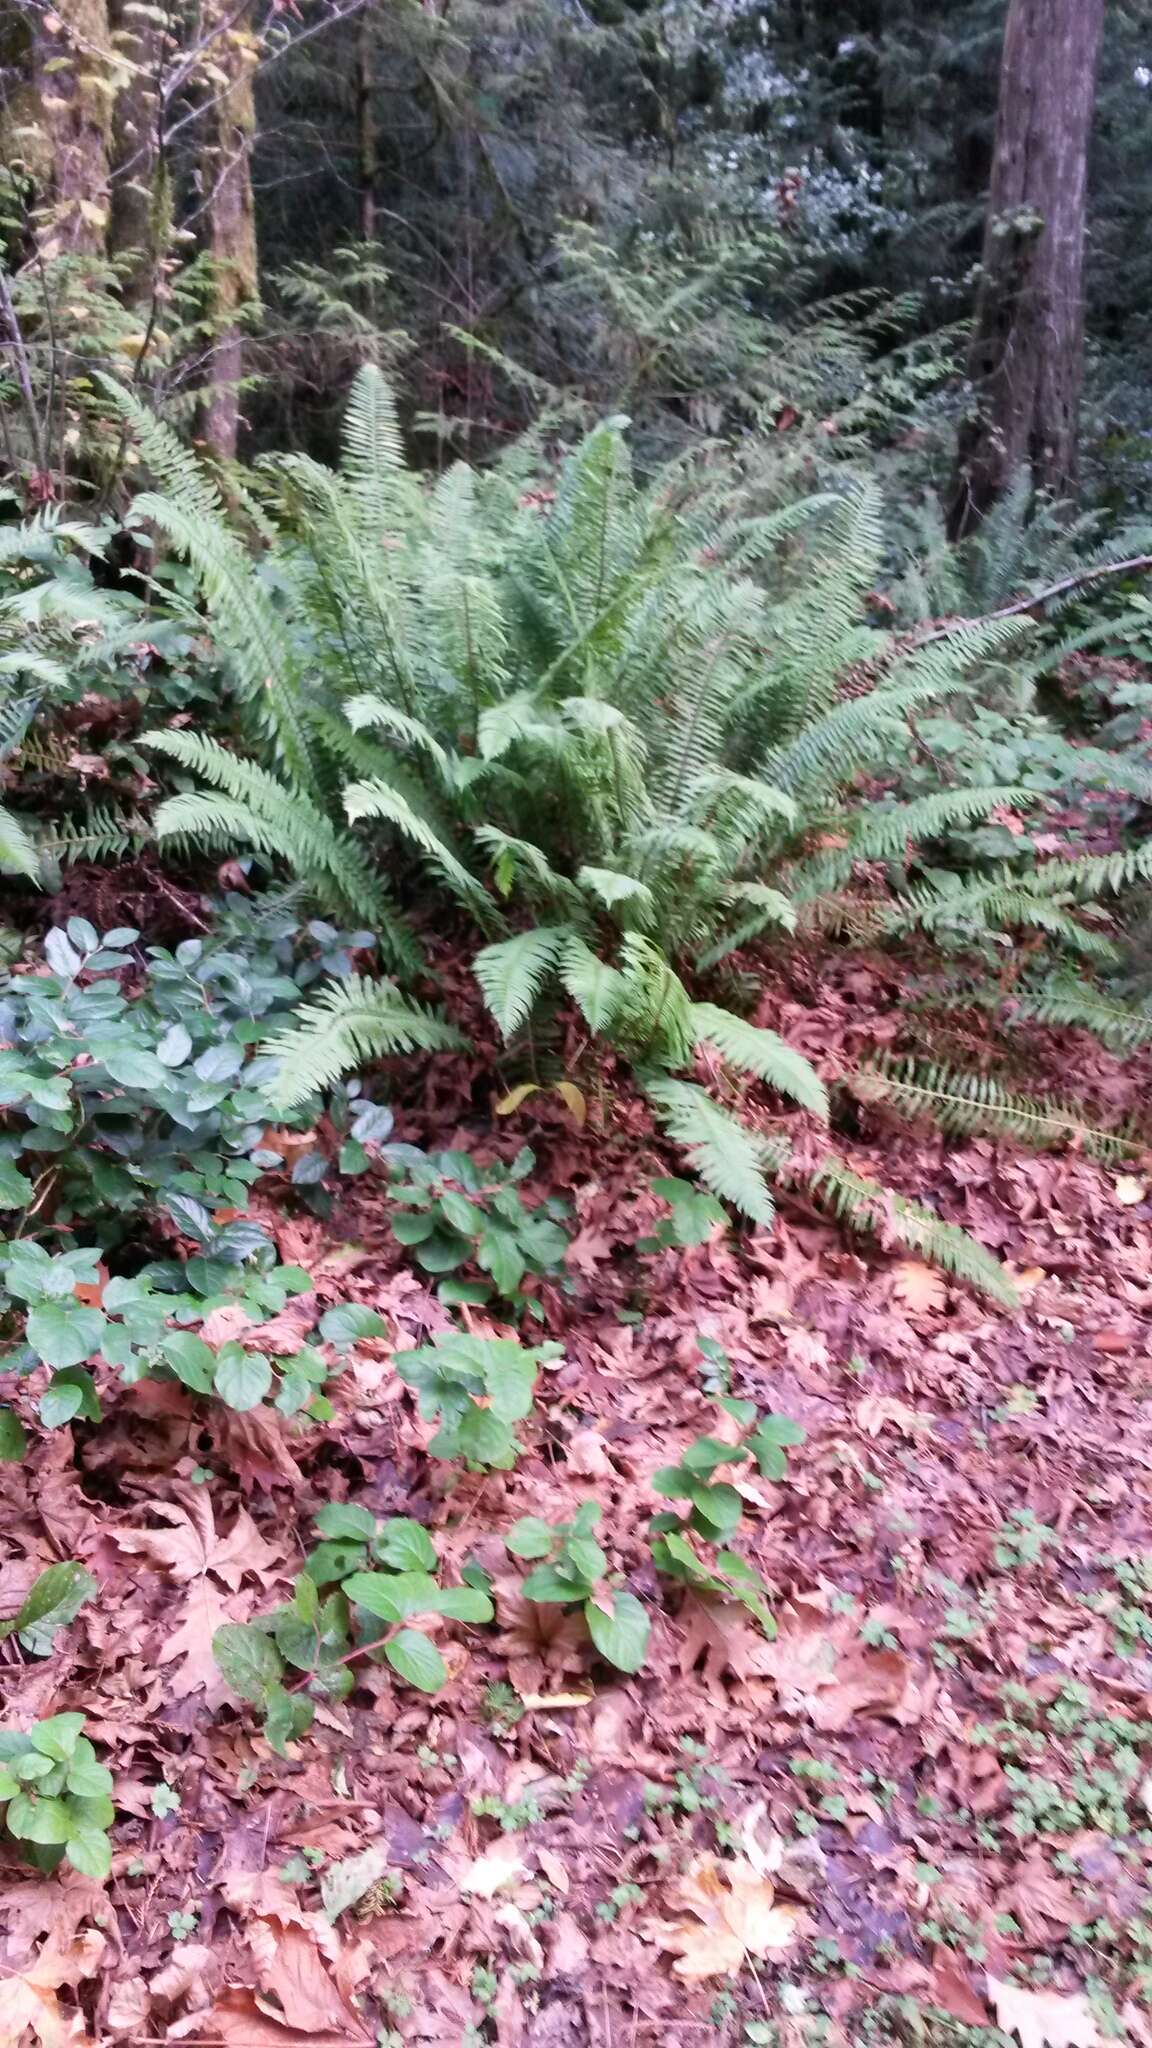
(941,1767)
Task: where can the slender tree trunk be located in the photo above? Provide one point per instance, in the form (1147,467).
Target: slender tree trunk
(73,83)
(137,227)
(1027,354)
(231,226)
(366,120)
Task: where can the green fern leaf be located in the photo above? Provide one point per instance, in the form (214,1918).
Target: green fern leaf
(598,990)
(512,972)
(356,1021)
(730,1159)
(761,1053)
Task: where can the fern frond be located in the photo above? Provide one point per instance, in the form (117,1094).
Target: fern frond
(377,799)
(615,890)
(973,1105)
(355,1021)
(762,1053)
(729,1158)
(598,989)
(1076,1003)
(512,973)
(865,1205)
(18,855)
(368,710)
(885,834)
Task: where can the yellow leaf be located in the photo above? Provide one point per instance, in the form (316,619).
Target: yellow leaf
(574,1099)
(510,1103)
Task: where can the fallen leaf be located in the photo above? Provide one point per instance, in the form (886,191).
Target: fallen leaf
(192,1546)
(921,1288)
(734,1915)
(500,1865)
(28,2001)
(1130,1189)
(305,1994)
(189,1974)
(1044,2019)
(821,1670)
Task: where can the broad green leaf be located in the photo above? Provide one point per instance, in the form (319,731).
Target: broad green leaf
(248,1660)
(352,1320)
(622,1636)
(89,1779)
(38,1820)
(341,1518)
(718,1508)
(65,1333)
(550,1586)
(288,1715)
(132,1066)
(13,1438)
(57,1738)
(416,1660)
(192,1360)
(529,1537)
(175,1046)
(243,1378)
(464,1603)
(484,1439)
(89,1851)
(16,1190)
(393,1595)
(52,1602)
(405,1546)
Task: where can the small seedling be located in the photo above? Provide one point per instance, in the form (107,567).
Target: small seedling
(715,1508)
(572,1573)
(1021,1540)
(694,1215)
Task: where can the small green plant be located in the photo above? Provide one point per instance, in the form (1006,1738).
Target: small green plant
(693,1216)
(143,1325)
(379,1572)
(1021,1540)
(715,1508)
(572,1572)
(53,1600)
(479,1387)
(455,1214)
(57,1796)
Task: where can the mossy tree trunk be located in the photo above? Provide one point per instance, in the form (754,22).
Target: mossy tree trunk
(136,229)
(74,85)
(226,176)
(1027,353)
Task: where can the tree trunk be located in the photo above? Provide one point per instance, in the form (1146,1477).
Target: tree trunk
(72,76)
(366,120)
(231,226)
(1027,354)
(137,231)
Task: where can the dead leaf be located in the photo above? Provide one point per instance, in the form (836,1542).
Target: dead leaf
(734,1915)
(1130,1190)
(296,1979)
(500,1865)
(192,1546)
(821,1669)
(921,1288)
(188,1974)
(1044,2019)
(28,2001)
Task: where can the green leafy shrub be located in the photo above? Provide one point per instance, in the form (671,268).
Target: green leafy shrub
(144,1325)
(456,1214)
(111,1098)
(715,1509)
(478,1388)
(693,1215)
(379,1572)
(57,1795)
(573,1573)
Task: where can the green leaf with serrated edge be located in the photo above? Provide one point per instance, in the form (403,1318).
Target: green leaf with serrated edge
(249,1662)
(416,1660)
(405,1546)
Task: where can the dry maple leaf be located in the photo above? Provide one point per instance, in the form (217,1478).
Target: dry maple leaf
(820,1670)
(734,1915)
(1044,2019)
(194,1554)
(29,2006)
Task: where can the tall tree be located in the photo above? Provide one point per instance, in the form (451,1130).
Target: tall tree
(226,175)
(1027,355)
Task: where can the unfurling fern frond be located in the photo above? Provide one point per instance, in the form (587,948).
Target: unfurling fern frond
(867,1206)
(355,1021)
(730,1159)
(972,1105)
(513,972)
(762,1053)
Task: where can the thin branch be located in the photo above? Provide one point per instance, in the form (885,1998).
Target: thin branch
(1023,605)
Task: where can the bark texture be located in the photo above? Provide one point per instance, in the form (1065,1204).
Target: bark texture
(137,227)
(1027,353)
(74,90)
(231,224)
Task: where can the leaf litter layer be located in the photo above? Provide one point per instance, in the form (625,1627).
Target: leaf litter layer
(923,1807)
